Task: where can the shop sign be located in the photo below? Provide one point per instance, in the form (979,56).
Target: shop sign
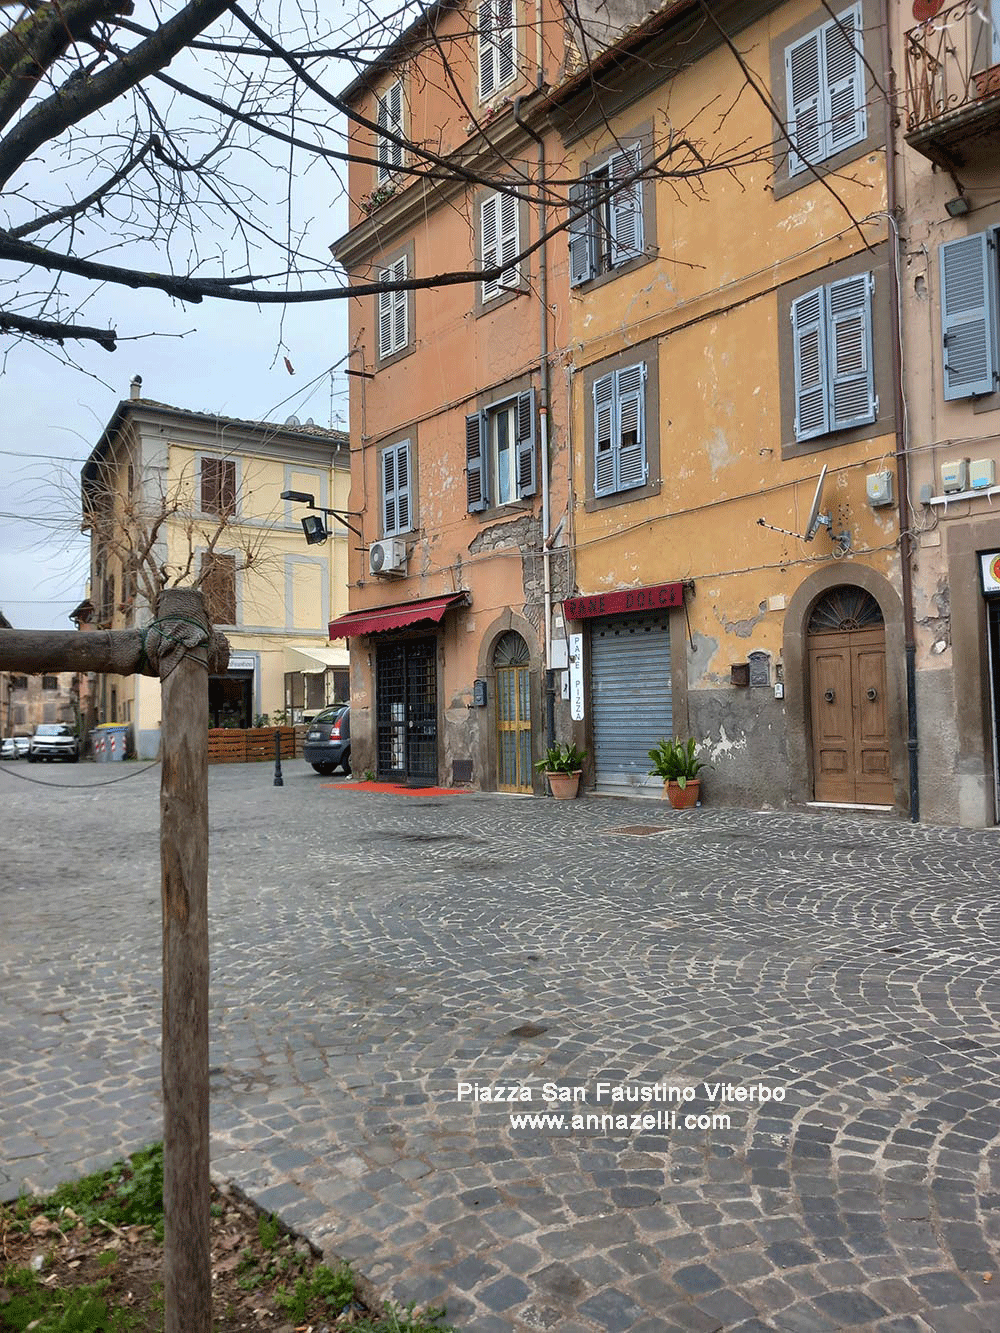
(989,571)
(242,664)
(656,598)
(576,677)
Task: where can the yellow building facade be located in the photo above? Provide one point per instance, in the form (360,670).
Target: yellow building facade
(197,498)
(730,375)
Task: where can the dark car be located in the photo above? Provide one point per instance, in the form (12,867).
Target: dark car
(328,740)
(53,740)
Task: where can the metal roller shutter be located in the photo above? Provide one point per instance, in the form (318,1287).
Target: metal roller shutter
(631,695)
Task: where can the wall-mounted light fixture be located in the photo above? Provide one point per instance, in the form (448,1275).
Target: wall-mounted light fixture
(957,207)
(312,525)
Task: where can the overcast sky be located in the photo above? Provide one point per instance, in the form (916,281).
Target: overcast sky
(55,403)
(231,362)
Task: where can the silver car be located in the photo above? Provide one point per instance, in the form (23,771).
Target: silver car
(54,740)
(16,747)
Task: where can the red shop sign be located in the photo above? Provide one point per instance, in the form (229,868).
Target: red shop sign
(631,599)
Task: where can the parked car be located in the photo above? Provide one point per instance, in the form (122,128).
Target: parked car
(53,740)
(16,747)
(328,740)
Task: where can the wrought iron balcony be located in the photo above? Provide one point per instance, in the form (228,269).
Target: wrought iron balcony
(953,84)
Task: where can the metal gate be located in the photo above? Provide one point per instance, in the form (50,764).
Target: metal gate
(406,711)
(631,695)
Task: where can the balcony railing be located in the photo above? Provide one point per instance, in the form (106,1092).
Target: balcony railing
(952,80)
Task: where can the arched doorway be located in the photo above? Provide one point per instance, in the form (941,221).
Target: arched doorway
(511,664)
(848,699)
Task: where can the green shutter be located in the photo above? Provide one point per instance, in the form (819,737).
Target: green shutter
(476,472)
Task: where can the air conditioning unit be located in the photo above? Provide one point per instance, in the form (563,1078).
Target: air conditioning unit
(387,557)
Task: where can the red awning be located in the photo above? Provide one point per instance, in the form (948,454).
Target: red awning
(381,618)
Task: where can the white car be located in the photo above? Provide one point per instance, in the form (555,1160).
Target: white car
(53,740)
(15,747)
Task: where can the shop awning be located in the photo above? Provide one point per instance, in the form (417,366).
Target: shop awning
(310,661)
(382,618)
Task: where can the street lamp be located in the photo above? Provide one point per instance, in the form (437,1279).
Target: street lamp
(312,525)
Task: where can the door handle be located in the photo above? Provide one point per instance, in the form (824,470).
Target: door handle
(872,693)
(829,696)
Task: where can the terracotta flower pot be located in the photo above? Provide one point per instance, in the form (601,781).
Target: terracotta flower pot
(682,798)
(564,786)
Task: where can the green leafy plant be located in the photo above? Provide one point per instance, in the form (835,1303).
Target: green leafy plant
(562,759)
(675,760)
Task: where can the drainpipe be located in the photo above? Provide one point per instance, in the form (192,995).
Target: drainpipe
(543,425)
(902,462)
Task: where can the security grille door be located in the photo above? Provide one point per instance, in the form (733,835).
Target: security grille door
(513,695)
(631,695)
(406,711)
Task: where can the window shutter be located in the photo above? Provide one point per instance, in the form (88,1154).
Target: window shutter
(969,315)
(402,333)
(389,525)
(396,122)
(489,241)
(845,115)
(487,68)
(604,450)
(475,462)
(385,318)
(631,435)
(626,206)
(389,118)
(852,381)
(802,78)
(527,482)
(509,241)
(403,522)
(582,241)
(809,344)
(504,42)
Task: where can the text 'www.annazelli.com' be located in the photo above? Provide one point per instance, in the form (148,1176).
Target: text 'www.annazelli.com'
(608,1122)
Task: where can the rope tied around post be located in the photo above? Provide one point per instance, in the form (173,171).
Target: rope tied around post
(167,640)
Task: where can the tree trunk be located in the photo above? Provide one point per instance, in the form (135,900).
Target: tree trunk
(187,1277)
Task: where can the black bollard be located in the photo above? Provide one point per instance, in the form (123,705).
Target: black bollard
(279,781)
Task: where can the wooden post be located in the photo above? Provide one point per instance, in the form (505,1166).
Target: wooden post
(187,1276)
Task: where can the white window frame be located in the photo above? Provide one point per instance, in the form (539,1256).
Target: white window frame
(500,243)
(496,47)
(482,455)
(389,115)
(393,320)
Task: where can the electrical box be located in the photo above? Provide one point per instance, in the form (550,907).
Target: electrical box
(955,476)
(878,486)
(982,474)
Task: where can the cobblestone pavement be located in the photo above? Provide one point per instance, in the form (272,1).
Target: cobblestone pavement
(373,952)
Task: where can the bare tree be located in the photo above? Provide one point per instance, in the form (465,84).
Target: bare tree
(169,154)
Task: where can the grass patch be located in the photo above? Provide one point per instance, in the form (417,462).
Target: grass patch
(88,1259)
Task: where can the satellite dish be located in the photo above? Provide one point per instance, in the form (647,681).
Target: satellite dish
(924,10)
(292,421)
(310,422)
(815,518)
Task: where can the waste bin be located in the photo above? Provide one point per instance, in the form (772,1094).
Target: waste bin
(109,743)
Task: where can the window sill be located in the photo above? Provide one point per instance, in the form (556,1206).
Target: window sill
(597,502)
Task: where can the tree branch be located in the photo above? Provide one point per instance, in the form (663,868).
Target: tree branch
(55,331)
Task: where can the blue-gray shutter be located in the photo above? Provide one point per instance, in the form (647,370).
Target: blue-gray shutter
(849,352)
(476,472)
(626,206)
(846,114)
(604,435)
(582,240)
(631,427)
(809,351)
(802,80)
(527,467)
(396,489)
(969,315)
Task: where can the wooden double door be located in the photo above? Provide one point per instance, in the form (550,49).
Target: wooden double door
(850,723)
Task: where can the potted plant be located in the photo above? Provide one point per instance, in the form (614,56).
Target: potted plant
(676,762)
(562,766)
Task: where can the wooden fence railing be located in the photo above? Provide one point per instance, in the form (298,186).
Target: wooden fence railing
(226,745)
